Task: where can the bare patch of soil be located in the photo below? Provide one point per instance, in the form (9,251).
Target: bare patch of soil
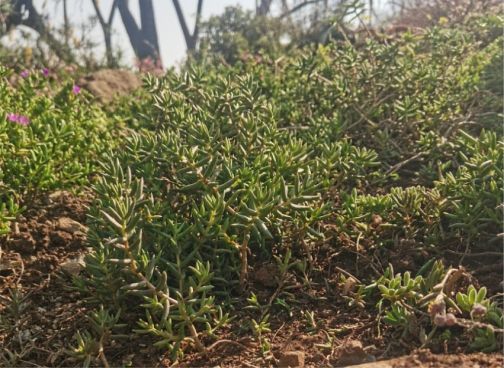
(40,313)
(424,358)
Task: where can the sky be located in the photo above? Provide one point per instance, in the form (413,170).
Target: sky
(170,35)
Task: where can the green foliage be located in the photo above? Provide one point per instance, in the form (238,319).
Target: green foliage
(387,96)
(237,34)
(398,288)
(485,340)
(476,187)
(402,299)
(90,345)
(249,161)
(467,301)
(258,330)
(59,148)
(180,209)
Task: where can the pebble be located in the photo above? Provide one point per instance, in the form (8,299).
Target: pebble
(352,352)
(293,359)
(70,226)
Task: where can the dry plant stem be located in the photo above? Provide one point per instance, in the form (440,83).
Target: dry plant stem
(467,323)
(226,341)
(413,309)
(276,332)
(306,249)
(466,252)
(195,337)
(439,289)
(347,273)
(398,166)
(481,254)
(101,354)
(364,117)
(244,260)
(21,272)
(134,270)
(249,365)
(275,294)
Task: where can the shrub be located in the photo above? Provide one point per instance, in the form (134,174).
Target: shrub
(48,142)
(180,209)
(232,164)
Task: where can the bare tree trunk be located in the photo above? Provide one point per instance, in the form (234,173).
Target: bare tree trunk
(264,7)
(66,24)
(107,31)
(190,39)
(143,41)
(371,12)
(148,23)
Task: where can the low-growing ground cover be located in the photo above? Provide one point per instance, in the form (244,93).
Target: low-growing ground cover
(343,201)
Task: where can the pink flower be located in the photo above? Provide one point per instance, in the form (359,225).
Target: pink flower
(12,117)
(24,74)
(18,119)
(76,89)
(23,120)
(45,72)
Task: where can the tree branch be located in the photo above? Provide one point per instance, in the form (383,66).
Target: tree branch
(297,8)
(143,38)
(129,22)
(183,24)
(98,13)
(36,22)
(191,39)
(112,12)
(264,7)
(106,27)
(148,24)
(198,21)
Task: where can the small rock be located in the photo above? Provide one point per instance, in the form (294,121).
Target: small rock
(349,286)
(351,353)
(23,243)
(292,359)
(25,335)
(55,196)
(61,238)
(70,226)
(73,266)
(376,220)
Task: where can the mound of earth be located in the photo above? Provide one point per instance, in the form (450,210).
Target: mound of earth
(107,84)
